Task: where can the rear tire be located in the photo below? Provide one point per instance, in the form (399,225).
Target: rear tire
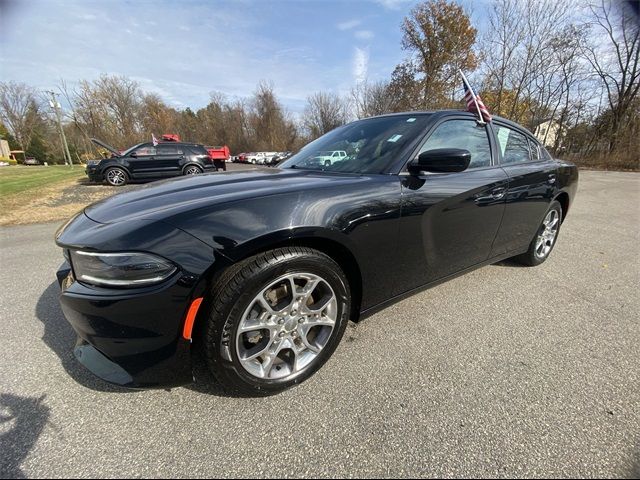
(192,170)
(545,239)
(246,320)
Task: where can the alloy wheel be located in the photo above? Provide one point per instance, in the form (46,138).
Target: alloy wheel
(286,326)
(116,177)
(548,234)
(193,170)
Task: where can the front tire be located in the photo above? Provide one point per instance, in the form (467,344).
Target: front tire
(275,319)
(545,239)
(116,177)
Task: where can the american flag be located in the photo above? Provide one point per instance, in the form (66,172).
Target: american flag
(474,102)
(154,140)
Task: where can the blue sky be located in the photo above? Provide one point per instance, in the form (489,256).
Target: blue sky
(184,50)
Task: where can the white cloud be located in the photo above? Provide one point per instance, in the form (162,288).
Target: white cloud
(393,4)
(244,55)
(348,25)
(363,35)
(360,64)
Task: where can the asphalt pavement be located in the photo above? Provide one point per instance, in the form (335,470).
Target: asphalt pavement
(505,372)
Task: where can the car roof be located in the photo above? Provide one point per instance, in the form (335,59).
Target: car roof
(188,144)
(446,112)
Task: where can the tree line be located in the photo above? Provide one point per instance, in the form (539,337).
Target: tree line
(535,62)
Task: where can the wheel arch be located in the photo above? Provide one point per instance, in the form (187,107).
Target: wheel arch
(327,244)
(563,199)
(192,164)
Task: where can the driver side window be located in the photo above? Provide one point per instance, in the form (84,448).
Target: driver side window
(464,134)
(146,151)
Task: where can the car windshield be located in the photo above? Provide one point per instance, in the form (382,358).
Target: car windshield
(370,145)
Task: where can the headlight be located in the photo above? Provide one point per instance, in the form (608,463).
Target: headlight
(120,269)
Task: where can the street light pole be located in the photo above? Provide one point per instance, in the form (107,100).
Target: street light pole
(65,147)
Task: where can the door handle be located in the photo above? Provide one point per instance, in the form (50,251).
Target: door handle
(495,194)
(552,178)
(498,193)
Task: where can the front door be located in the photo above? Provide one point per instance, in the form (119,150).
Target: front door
(449,220)
(142,161)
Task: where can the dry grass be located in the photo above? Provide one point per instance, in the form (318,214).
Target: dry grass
(50,203)
(628,161)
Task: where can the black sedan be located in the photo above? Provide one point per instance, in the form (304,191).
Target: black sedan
(147,161)
(262,269)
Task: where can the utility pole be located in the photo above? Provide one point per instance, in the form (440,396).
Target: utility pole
(65,147)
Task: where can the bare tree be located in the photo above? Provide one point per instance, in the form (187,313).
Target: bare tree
(270,126)
(109,108)
(370,99)
(19,111)
(324,112)
(614,56)
(518,52)
(501,41)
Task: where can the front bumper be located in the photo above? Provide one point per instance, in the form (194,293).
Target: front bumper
(132,339)
(93,174)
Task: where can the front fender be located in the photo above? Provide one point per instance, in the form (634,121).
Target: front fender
(362,219)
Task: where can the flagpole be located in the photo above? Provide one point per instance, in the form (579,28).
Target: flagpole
(473,95)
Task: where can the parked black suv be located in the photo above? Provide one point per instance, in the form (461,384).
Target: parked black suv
(146,161)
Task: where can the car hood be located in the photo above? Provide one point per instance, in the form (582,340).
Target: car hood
(106,145)
(162,200)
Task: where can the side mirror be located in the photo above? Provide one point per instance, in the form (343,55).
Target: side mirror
(441,160)
(133,155)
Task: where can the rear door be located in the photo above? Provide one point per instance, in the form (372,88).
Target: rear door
(532,187)
(450,220)
(168,159)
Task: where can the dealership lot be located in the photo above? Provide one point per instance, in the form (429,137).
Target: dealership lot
(507,371)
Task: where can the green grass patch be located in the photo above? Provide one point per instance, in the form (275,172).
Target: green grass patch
(19,179)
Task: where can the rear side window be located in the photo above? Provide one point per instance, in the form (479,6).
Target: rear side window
(465,134)
(199,150)
(514,146)
(169,150)
(533,148)
(544,154)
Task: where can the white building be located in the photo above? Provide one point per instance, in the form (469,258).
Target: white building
(547,132)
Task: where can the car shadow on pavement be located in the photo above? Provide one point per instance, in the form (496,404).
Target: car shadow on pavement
(61,339)
(22,420)
(509,263)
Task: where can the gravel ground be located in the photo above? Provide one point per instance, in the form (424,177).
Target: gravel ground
(504,372)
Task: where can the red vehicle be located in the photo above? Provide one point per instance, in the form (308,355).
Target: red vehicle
(170,137)
(219,155)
